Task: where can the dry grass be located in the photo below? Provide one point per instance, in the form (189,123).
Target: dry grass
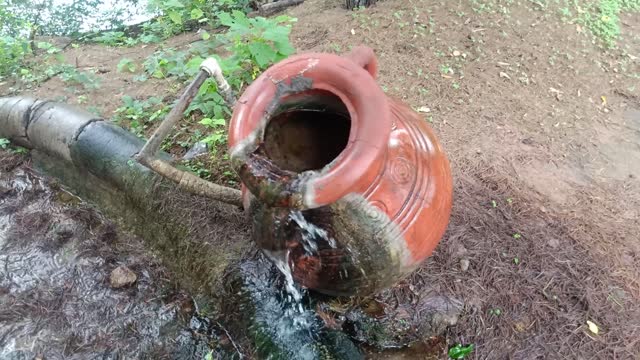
(566,273)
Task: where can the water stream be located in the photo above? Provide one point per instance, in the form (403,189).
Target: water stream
(291,318)
(311,236)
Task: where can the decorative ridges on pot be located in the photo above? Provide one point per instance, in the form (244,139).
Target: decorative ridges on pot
(408,174)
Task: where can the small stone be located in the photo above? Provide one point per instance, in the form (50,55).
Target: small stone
(461,250)
(554,243)
(456,53)
(464,264)
(527,141)
(505,75)
(122,276)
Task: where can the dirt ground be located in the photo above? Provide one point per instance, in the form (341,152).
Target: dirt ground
(542,128)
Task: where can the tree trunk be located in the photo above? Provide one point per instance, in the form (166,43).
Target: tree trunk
(354,4)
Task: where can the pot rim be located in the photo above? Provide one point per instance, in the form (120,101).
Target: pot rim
(358,162)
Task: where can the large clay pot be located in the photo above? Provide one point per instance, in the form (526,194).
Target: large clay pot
(346,186)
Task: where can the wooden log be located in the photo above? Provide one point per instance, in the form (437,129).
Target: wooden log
(278,6)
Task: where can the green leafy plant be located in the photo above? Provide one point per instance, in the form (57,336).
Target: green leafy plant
(495,312)
(180,15)
(459,351)
(165,63)
(446,69)
(114,38)
(257,40)
(603,18)
(13,52)
(252,44)
(127,65)
(138,114)
(217,136)
(5,144)
(209,102)
(71,75)
(47,47)
(198,168)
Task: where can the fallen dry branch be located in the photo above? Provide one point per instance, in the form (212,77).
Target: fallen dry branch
(278,6)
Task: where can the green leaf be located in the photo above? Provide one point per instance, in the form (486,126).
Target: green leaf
(285,18)
(262,53)
(196,14)
(240,18)
(209,356)
(173,4)
(43,45)
(284,47)
(140,78)
(225,19)
(277,34)
(459,351)
(193,65)
(4,143)
(175,17)
(213,139)
(212,122)
(205,35)
(126,65)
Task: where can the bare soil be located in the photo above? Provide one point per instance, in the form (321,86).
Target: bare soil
(542,128)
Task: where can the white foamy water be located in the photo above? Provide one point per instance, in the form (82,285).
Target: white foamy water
(311,233)
(294,294)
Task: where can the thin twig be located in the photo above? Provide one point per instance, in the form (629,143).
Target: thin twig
(231,339)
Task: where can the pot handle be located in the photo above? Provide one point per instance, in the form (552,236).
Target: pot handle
(365,57)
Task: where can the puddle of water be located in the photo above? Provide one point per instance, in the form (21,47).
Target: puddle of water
(280,318)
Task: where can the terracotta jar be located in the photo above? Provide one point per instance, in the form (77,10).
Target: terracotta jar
(347,188)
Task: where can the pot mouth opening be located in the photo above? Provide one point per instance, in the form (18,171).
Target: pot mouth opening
(307,131)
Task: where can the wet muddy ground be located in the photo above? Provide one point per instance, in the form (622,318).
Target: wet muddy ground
(60,297)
